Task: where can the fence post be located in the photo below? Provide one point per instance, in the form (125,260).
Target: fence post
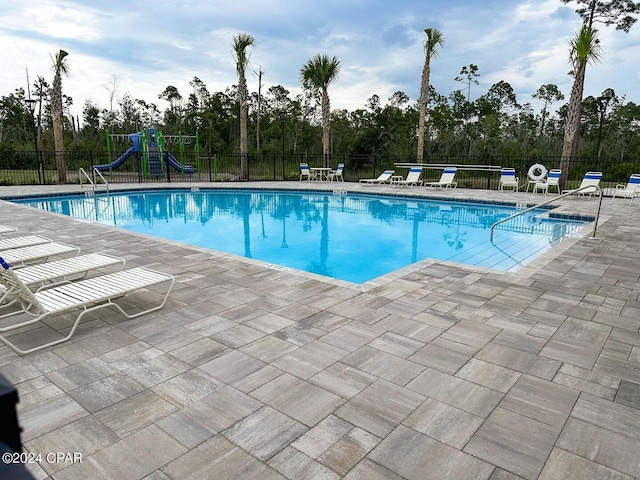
(139,165)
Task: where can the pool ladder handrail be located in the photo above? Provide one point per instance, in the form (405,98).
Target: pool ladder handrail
(572,192)
(90,180)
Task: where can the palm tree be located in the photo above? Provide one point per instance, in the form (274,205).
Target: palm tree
(241,42)
(585,49)
(317,74)
(433,41)
(60,68)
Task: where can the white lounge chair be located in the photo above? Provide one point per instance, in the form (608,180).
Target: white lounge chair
(19,257)
(305,172)
(629,191)
(552,180)
(590,179)
(7,229)
(384,177)
(446,179)
(508,179)
(86,295)
(58,272)
(412,180)
(17,242)
(336,174)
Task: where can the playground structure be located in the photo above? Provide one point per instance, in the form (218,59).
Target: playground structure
(150,144)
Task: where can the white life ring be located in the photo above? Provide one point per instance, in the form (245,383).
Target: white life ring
(537,167)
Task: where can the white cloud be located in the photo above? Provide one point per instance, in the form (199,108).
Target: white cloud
(379,43)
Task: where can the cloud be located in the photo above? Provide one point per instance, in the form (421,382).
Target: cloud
(379,44)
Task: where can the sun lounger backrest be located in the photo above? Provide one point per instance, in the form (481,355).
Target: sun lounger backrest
(634,181)
(448,174)
(25,296)
(591,178)
(414,174)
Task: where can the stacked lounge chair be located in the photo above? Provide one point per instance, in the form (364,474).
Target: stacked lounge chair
(35,293)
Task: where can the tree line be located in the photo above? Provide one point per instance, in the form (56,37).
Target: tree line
(464,122)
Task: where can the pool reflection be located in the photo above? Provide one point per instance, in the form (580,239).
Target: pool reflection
(355,238)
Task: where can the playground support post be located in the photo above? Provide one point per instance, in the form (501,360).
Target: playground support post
(109,157)
(145,153)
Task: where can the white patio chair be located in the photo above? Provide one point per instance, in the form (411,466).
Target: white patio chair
(384,177)
(508,179)
(552,180)
(305,172)
(58,272)
(446,179)
(590,179)
(336,174)
(629,191)
(86,295)
(412,180)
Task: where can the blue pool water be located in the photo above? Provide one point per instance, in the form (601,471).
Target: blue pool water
(353,237)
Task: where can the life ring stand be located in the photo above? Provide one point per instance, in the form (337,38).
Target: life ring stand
(537,167)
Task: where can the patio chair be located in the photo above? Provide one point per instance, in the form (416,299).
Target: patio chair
(7,229)
(552,180)
(86,295)
(20,257)
(508,179)
(412,180)
(305,172)
(336,174)
(384,177)
(17,242)
(58,272)
(590,179)
(629,191)
(446,179)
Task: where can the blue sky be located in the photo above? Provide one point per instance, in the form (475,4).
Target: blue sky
(149,45)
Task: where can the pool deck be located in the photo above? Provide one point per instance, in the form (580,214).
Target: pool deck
(436,371)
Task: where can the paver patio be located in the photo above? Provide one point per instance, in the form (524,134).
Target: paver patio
(436,371)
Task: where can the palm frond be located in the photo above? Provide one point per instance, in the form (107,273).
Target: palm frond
(585,48)
(320,71)
(241,42)
(435,39)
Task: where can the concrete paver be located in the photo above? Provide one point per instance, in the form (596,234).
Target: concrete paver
(434,371)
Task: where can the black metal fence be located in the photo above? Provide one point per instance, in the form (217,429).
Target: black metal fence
(23,168)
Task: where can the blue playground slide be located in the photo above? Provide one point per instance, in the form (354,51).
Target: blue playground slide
(171,160)
(115,164)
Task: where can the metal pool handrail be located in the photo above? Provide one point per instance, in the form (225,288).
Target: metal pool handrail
(572,192)
(91,182)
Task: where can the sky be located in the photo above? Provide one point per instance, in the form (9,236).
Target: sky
(146,46)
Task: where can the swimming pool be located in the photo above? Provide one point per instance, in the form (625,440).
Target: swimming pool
(350,237)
